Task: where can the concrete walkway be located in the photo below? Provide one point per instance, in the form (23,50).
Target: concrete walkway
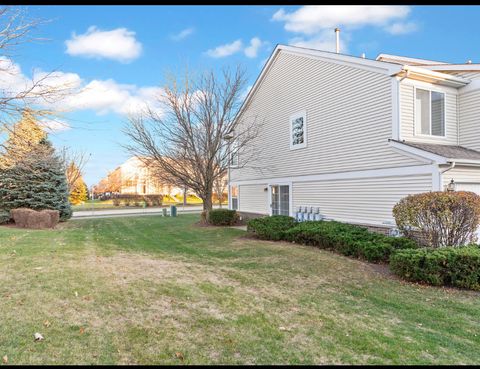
(89,214)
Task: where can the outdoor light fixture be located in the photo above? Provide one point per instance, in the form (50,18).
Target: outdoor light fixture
(451,186)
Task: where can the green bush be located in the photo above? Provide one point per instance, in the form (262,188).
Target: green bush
(271,228)
(449,266)
(222,217)
(439,218)
(347,239)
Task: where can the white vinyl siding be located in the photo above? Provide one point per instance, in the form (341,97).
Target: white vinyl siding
(408,113)
(365,200)
(463,176)
(349,120)
(253,199)
(469,104)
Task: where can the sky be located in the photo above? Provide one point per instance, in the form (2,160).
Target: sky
(118,56)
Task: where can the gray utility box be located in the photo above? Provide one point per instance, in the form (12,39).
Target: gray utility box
(173,211)
(164,212)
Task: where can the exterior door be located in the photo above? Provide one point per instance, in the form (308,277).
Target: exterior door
(280,201)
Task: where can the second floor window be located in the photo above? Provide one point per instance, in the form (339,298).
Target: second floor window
(429,112)
(298,131)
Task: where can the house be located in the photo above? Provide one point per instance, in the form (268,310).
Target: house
(134,177)
(351,136)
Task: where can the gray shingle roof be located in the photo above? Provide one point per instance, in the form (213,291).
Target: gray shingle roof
(447,151)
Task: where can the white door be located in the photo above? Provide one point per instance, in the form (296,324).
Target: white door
(280,199)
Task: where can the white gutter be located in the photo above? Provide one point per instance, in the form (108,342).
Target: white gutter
(437,76)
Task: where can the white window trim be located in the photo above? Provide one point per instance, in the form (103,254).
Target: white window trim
(233,148)
(302,114)
(415,108)
(230,204)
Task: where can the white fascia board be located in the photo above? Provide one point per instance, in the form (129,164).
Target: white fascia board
(371,173)
(408,60)
(437,159)
(354,61)
(468,162)
(454,67)
(441,78)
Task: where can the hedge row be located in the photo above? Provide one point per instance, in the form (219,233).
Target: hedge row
(271,228)
(347,239)
(447,266)
(222,217)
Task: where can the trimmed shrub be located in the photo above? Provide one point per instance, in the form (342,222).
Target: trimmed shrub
(222,217)
(271,228)
(439,218)
(347,239)
(449,266)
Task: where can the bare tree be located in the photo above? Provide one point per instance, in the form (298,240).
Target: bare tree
(186,145)
(73,163)
(16,91)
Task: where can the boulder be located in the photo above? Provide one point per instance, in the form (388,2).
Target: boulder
(28,218)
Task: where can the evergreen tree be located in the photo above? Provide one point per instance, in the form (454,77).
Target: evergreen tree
(22,138)
(36,181)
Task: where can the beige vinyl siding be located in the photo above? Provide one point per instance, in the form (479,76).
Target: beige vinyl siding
(469,107)
(366,200)
(253,199)
(348,120)
(407,117)
(461,175)
(467,75)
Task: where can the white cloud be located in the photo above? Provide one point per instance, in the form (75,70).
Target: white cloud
(102,96)
(313,18)
(225,50)
(118,44)
(400,28)
(252,50)
(315,24)
(324,40)
(182,34)
(107,96)
(54,125)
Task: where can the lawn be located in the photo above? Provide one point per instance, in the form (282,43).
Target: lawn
(153,290)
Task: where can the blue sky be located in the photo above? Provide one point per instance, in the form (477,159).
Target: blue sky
(120,54)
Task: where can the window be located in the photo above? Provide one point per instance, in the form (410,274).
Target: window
(298,131)
(234,197)
(429,113)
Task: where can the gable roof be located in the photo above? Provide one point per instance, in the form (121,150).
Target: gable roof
(449,152)
(353,61)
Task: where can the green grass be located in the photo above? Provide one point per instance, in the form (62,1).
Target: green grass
(140,290)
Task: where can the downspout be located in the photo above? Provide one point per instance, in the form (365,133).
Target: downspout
(452,165)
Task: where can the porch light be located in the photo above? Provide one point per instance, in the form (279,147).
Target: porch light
(451,186)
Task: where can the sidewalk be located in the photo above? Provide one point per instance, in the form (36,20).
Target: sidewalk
(87,214)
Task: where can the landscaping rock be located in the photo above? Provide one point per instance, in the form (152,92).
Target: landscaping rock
(28,218)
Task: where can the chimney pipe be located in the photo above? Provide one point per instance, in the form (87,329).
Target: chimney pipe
(337,35)
(363,55)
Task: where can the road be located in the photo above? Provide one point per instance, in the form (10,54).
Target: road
(89,214)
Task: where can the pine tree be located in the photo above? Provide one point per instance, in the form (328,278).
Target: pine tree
(36,181)
(22,138)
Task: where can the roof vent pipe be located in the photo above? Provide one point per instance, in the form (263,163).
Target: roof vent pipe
(363,55)
(469,61)
(337,36)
